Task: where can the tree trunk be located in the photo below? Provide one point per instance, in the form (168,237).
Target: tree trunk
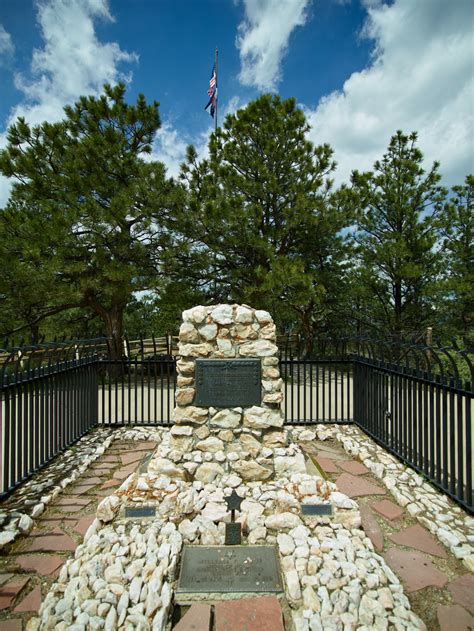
(308,334)
(113,320)
(114,328)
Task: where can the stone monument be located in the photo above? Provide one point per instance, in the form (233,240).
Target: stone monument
(228,395)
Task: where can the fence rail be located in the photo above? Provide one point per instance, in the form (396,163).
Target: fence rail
(415,401)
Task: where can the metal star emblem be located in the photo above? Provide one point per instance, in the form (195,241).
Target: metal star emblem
(233,501)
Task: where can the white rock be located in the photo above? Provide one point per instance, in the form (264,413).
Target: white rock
(469,562)
(214,511)
(142,485)
(37,510)
(181,430)
(111,620)
(282,521)
(263,317)
(6,537)
(208,331)
(342,501)
(227,419)
(187,333)
(188,529)
(286,465)
(233,481)
(108,508)
(135,589)
(251,471)
(25,524)
(311,599)
(210,445)
(258,534)
(258,348)
(196,314)
(165,467)
(222,314)
(243,315)
(293,585)
(208,471)
(257,417)
(447,537)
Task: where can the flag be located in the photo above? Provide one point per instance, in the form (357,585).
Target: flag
(212,92)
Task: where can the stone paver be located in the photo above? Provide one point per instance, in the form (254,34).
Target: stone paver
(388,509)
(93,480)
(55,541)
(454,618)
(354,467)
(197,618)
(31,602)
(81,502)
(83,524)
(4,578)
(42,564)
(419,538)
(12,624)
(327,465)
(110,458)
(354,486)
(81,489)
(59,520)
(415,569)
(462,591)
(10,590)
(145,446)
(251,614)
(132,457)
(110,483)
(371,527)
(121,474)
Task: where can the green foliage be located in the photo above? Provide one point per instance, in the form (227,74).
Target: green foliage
(264,222)
(456,227)
(396,238)
(89,213)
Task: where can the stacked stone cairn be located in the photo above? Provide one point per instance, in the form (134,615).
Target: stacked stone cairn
(240,440)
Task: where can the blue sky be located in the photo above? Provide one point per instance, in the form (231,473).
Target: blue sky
(360,69)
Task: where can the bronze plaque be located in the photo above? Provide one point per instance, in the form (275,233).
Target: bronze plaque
(228,383)
(222,569)
(140,511)
(316,509)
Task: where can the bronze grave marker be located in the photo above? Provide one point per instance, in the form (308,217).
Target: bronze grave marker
(222,569)
(228,383)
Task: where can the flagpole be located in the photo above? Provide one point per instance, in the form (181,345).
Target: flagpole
(217,91)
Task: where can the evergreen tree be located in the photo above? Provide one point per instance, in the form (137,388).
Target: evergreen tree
(396,238)
(87,214)
(261,214)
(456,225)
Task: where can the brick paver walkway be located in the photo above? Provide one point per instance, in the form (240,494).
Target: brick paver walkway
(28,571)
(439,589)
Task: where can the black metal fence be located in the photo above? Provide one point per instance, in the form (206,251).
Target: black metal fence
(415,401)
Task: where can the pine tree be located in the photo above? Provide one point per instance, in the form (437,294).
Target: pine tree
(87,214)
(456,225)
(396,238)
(262,216)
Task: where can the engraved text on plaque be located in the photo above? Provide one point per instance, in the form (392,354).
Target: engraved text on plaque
(227,383)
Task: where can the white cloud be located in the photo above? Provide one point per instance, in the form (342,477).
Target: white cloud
(169,147)
(71,62)
(420,79)
(6,44)
(263,38)
(170,144)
